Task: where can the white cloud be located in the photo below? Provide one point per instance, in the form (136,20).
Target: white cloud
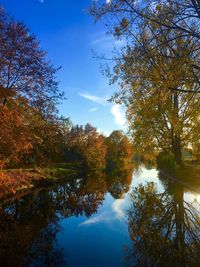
(117,208)
(102,39)
(93,109)
(105,41)
(119,115)
(96,219)
(93,98)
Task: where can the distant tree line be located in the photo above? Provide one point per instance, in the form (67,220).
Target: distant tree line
(95,151)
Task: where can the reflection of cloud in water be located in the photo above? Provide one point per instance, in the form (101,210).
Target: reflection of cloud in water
(193,198)
(96,219)
(143,175)
(146,174)
(117,208)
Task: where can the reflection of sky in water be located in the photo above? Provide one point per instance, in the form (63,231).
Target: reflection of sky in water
(106,231)
(100,239)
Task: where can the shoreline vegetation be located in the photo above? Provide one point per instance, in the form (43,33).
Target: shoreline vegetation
(19,182)
(86,151)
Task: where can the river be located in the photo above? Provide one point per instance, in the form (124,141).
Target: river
(98,221)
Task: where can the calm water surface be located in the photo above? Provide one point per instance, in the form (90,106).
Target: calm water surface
(99,221)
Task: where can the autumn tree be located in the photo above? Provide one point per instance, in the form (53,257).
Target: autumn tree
(86,145)
(124,20)
(119,151)
(195,139)
(28,96)
(159,111)
(24,69)
(155,71)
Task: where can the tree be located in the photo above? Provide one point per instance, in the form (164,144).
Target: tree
(14,137)
(86,145)
(24,70)
(195,140)
(119,152)
(159,112)
(28,97)
(124,19)
(154,77)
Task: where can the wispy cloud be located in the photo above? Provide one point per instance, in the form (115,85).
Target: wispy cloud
(117,208)
(96,219)
(93,109)
(93,98)
(102,40)
(118,115)
(41,1)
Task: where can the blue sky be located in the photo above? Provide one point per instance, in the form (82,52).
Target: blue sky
(69,35)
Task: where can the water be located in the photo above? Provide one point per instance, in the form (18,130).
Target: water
(95,221)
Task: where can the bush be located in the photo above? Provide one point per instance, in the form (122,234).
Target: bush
(166,162)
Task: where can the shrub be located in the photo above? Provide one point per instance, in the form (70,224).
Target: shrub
(166,162)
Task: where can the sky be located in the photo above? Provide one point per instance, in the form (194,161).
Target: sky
(69,35)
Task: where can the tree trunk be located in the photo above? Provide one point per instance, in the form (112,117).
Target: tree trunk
(176,139)
(176,149)
(180,226)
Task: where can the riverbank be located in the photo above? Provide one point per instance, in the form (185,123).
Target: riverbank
(188,175)
(189,172)
(18,181)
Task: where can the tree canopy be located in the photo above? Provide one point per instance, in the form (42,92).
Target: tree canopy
(157,70)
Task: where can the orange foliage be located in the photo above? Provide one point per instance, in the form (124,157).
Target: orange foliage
(11,181)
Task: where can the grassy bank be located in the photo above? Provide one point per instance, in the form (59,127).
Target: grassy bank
(189,172)
(17,181)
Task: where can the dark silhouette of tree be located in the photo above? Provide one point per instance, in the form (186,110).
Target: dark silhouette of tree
(119,181)
(29,225)
(164,228)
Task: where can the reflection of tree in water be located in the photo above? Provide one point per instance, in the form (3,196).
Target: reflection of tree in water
(27,234)
(82,196)
(164,228)
(119,166)
(119,182)
(29,226)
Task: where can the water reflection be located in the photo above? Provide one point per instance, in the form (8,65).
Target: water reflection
(29,226)
(50,227)
(163,226)
(28,230)
(118,182)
